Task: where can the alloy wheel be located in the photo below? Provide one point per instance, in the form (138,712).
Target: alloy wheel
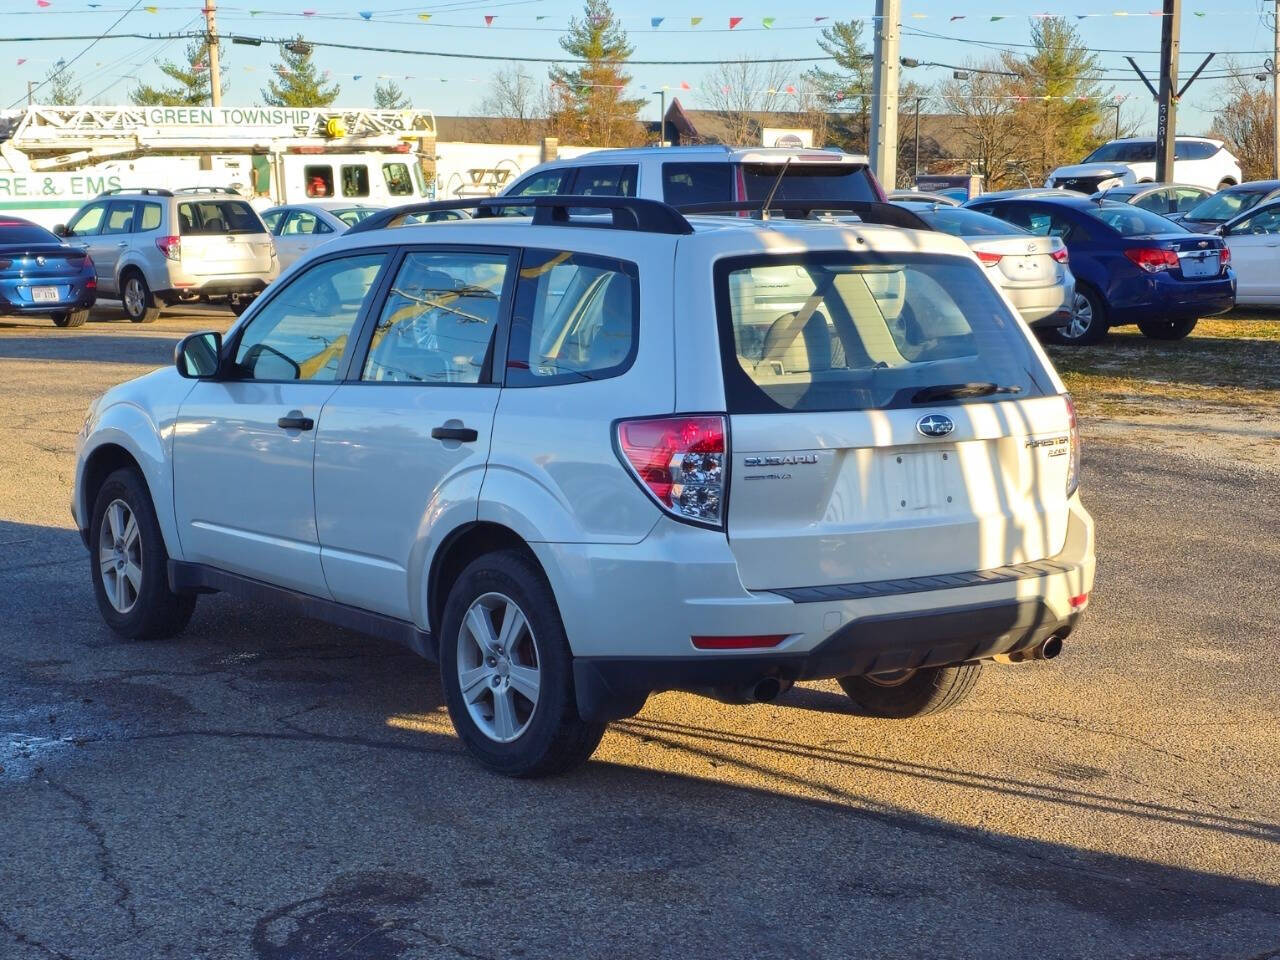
(133,297)
(120,556)
(499,670)
(1081,318)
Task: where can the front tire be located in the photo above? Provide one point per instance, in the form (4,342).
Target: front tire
(129,563)
(912,693)
(70,318)
(1167,329)
(139,303)
(507,670)
(1088,323)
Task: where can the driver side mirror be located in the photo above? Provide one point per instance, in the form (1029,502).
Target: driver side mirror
(198,355)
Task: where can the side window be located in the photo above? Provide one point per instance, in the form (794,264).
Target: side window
(1263,222)
(152,214)
(1185,199)
(1156,202)
(319,179)
(302,332)
(305,222)
(119,218)
(543,184)
(697,183)
(438,323)
(272,219)
(576,319)
(355,180)
(399,183)
(615,181)
(87,221)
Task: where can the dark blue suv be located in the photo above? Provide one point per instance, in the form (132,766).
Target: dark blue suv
(1131,266)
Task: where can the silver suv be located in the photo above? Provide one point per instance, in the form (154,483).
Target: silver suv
(154,248)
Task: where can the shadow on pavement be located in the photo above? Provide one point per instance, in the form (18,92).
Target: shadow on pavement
(69,345)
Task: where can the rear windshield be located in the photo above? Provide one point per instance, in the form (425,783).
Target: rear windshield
(965,223)
(17,232)
(198,217)
(1131,221)
(809,181)
(1221,207)
(846,331)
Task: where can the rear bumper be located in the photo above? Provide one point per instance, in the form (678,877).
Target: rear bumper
(215,286)
(1047,306)
(609,688)
(1165,297)
(13,304)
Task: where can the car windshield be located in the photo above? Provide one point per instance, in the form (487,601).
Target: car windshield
(354,215)
(809,181)
(1222,206)
(861,331)
(1131,221)
(965,223)
(1131,151)
(18,231)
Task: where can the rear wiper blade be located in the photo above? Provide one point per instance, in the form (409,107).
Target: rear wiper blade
(956,391)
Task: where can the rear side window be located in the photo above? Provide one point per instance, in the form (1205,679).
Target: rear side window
(684,183)
(1193,150)
(1154,202)
(576,319)
(151,216)
(437,326)
(205,217)
(809,181)
(842,331)
(615,181)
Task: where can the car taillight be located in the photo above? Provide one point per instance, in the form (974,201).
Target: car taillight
(680,462)
(1152,259)
(1225,255)
(5,264)
(1073,432)
(171,247)
(1060,255)
(988,259)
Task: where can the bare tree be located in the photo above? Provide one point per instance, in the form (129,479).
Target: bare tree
(738,91)
(984,106)
(515,107)
(1244,122)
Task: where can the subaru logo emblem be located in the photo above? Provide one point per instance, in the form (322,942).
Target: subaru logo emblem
(935,425)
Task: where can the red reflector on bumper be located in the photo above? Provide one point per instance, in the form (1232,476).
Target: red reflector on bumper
(1078,602)
(738,643)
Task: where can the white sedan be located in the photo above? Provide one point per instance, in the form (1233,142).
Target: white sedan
(299,228)
(1254,241)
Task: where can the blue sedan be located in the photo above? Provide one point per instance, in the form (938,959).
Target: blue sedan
(42,276)
(1131,266)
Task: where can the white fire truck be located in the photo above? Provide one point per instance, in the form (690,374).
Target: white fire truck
(53,159)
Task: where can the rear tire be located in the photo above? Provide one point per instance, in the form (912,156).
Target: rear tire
(502,605)
(129,564)
(139,303)
(1167,329)
(913,693)
(1088,323)
(71,318)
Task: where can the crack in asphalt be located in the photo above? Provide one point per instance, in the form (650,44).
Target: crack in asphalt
(1076,724)
(27,941)
(106,866)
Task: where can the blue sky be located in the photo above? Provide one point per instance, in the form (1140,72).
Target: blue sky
(531,28)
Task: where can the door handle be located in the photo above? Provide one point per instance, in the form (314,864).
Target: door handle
(122,244)
(294,420)
(465,434)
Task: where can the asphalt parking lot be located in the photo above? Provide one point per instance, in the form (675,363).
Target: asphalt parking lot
(273,788)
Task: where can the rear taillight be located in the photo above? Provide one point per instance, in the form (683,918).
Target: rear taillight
(171,247)
(988,259)
(1073,431)
(5,264)
(1153,259)
(1225,255)
(680,462)
(1060,255)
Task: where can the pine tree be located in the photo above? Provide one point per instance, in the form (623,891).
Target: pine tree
(845,91)
(588,106)
(60,87)
(191,85)
(389,96)
(297,82)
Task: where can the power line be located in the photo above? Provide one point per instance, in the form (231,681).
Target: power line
(66,63)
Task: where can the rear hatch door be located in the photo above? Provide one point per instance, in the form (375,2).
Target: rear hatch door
(889,419)
(222,237)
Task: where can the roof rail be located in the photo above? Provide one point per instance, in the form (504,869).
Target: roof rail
(628,213)
(231,190)
(145,191)
(868,211)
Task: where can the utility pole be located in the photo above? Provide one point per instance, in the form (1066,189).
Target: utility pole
(1275,93)
(884,93)
(917,173)
(31,92)
(662,117)
(1166,116)
(215,69)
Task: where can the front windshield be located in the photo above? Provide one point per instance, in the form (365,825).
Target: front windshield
(1131,221)
(959,222)
(1221,207)
(1124,152)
